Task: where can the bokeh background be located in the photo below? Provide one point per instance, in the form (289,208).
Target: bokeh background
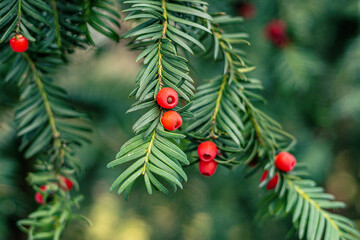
(312,86)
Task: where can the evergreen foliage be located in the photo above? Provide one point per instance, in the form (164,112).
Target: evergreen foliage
(226,107)
(48,125)
(154,150)
(224,110)
(311,208)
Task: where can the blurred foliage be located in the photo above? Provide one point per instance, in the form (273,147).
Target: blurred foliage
(312,87)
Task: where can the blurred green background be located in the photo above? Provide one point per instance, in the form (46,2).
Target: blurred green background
(312,87)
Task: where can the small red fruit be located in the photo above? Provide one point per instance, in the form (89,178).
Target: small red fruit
(167,98)
(171,120)
(285,161)
(272,183)
(247,10)
(19,43)
(207,151)
(207,168)
(66,183)
(276,32)
(39,198)
(264,176)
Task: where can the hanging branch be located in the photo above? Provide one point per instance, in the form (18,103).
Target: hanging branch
(49,127)
(154,152)
(226,113)
(311,208)
(225,108)
(48,132)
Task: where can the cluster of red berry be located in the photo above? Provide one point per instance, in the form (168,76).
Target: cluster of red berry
(19,43)
(168,99)
(284,162)
(64,183)
(207,152)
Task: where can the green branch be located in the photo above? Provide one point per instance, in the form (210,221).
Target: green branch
(308,204)
(44,118)
(44,96)
(163,32)
(227,49)
(163,6)
(19,16)
(154,151)
(246,100)
(57,24)
(307,198)
(217,106)
(148,151)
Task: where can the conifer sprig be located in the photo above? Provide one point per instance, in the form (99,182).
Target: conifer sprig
(225,108)
(312,209)
(48,125)
(295,195)
(154,151)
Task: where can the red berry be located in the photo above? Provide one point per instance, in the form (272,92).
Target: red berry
(273,182)
(207,151)
(264,176)
(66,183)
(171,120)
(19,43)
(276,32)
(285,161)
(39,198)
(167,98)
(247,10)
(207,168)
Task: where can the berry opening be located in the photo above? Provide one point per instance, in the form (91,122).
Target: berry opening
(170,99)
(206,156)
(177,124)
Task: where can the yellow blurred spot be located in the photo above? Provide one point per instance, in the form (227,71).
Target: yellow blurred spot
(343,186)
(110,223)
(200,228)
(134,229)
